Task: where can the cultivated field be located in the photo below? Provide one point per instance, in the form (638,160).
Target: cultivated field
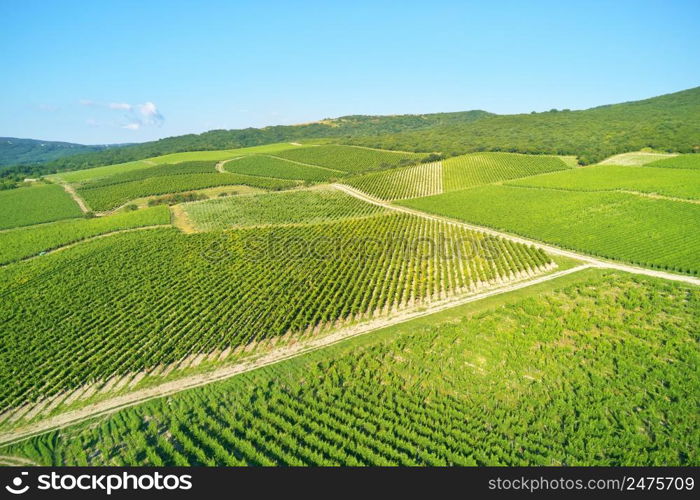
(35,204)
(599,371)
(649,232)
(284,208)
(270,166)
(113,307)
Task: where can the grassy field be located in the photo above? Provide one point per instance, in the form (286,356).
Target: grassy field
(637,158)
(136,300)
(401,183)
(485,168)
(349,158)
(601,371)
(649,232)
(25,242)
(681,161)
(114,195)
(268,166)
(35,204)
(292,207)
(675,182)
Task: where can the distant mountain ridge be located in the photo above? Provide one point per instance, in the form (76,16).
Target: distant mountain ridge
(669,122)
(17,151)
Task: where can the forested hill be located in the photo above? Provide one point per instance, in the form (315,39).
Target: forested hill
(14,151)
(670,122)
(338,128)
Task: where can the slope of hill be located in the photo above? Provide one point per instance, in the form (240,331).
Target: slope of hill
(670,122)
(14,151)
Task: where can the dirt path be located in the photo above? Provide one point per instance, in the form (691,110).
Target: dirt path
(76,198)
(16,461)
(220,165)
(181,220)
(283,353)
(546,247)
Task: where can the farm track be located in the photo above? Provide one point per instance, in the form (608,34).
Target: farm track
(76,198)
(517,239)
(112,405)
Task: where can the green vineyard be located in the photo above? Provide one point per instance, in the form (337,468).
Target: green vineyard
(602,372)
(35,205)
(350,158)
(401,183)
(680,161)
(674,182)
(112,196)
(25,242)
(269,166)
(653,233)
(476,169)
(142,299)
(288,207)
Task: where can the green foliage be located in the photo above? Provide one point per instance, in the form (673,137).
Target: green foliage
(114,195)
(174,199)
(14,151)
(603,372)
(136,300)
(35,204)
(486,168)
(24,242)
(675,182)
(190,167)
(268,166)
(293,207)
(400,183)
(680,161)
(648,232)
(666,123)
(349,158)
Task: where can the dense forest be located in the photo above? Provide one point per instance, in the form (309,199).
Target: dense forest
(670,122)
(14,151)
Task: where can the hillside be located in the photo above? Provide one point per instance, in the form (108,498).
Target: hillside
(670,122)
(14,151)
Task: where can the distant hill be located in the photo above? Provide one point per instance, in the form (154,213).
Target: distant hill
(14,151)
(670,123)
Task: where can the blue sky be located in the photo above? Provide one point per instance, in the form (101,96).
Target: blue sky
(122,71)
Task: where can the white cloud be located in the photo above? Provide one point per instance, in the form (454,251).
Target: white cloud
(120,105)
(136,116)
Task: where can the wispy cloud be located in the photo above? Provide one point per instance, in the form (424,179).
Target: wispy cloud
(136,116)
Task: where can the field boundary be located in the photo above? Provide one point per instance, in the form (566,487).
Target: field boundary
(597,262)
(109,406)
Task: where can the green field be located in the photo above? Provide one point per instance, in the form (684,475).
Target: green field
(485,168)
(35,204)
(136,300)
(600,372)
(680,161)
(401,183)
(114,195)
(349,158)
(674,182)
(25,242)
(268,166)
(292,207)
(648,232)
(190,167)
